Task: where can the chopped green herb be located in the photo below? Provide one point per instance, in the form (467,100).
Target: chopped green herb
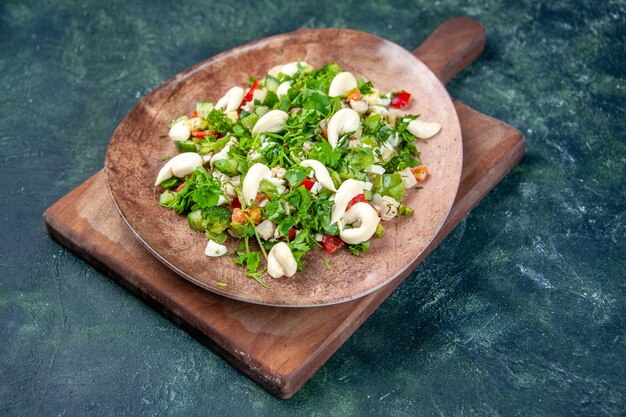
(201,190)
(218,122)
(293,204)
(358,248)
(170,182)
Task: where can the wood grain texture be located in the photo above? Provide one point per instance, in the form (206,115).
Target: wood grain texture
(133,159)
(279,348)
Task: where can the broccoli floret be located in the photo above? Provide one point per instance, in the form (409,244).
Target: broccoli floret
(404,210)
(218,122)
(215,220)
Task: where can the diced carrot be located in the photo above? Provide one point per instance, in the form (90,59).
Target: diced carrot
(420,173)
(255,214)
(238,216)
(354,95)
(180,187)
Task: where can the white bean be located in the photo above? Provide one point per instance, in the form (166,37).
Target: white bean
(291,68)
(423,130)
(215,249)
(366,219)
(344,121)
(253,178)
(282,89)
(272,122)
(265,229)
(321,173)
(180,131)
(360,106)
(280,261)
(342,83)
(231,100)
(389,208)
(408,178)
(346,192)
(179,166)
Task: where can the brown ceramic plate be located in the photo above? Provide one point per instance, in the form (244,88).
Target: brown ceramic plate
(133,160)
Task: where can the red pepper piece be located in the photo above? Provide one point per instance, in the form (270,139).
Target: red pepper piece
(248,96)
(331,243)
(292,234)
(358,199)
(203,133)
(400,99)
(235,204)
(259,198)
(308,184)
(194,114)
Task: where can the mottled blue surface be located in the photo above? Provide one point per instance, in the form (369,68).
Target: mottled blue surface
(521,310)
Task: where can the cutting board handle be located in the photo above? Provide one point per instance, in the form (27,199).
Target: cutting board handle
(454,45)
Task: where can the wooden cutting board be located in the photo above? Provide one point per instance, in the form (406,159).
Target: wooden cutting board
(281,348)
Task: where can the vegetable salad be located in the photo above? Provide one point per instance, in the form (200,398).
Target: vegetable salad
(300,159)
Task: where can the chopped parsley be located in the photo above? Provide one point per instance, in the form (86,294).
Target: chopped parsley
(292,204)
